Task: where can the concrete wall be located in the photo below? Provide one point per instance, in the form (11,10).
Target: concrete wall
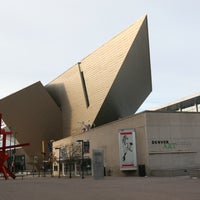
(106,138)
(167,143)
(173,142)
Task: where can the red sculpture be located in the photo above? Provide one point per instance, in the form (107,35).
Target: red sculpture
(4,155)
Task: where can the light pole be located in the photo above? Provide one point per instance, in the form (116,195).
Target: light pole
(82,156)
(58,161)
(51,155)
(43,155)
(70,159)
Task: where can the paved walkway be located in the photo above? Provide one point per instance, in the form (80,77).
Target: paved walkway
(110,188)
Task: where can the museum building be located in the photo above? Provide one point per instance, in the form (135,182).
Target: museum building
(90,108)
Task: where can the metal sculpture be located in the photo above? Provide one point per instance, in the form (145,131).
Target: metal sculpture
(4,155)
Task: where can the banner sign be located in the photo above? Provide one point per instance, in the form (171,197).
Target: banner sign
(127,150)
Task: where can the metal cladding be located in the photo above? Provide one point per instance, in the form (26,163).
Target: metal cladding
(110,83)
(32,116)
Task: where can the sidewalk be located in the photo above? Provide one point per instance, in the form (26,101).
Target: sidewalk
(116,188)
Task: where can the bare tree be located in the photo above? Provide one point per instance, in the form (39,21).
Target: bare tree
(73,153)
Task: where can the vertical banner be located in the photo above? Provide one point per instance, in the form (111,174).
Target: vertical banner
(127,150)
(86,147)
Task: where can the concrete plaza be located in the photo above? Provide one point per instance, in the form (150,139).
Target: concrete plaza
(116,188)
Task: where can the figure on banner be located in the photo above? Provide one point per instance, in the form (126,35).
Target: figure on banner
(127,146)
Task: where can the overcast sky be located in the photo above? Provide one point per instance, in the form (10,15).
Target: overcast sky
(40,39)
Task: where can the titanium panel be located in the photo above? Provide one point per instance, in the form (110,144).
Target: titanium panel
(32,116)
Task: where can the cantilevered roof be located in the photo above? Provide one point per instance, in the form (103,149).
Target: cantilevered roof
(32,116)
(110,83)
(132,83)
(180,104)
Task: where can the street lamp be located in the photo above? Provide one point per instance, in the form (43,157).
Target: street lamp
(51,155)
(82,156)
(70,159)
(43,155)
(58,160)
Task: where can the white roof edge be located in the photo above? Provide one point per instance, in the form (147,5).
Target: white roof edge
(176,101)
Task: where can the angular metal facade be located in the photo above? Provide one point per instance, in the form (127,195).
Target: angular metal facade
(110,83)
(32,116)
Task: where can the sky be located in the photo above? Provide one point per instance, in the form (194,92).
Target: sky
(40,39)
